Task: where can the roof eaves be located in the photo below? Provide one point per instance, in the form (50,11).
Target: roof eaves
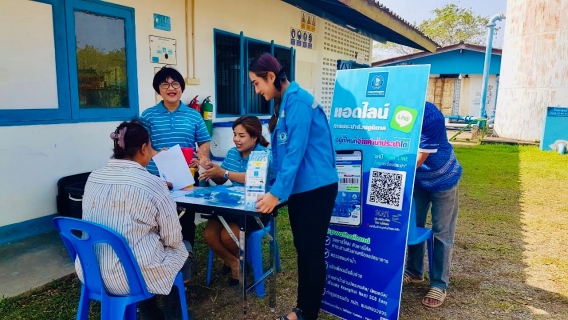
(384,16)
(459,46)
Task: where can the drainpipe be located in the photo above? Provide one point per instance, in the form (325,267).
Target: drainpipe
(462,118)
(488,49)
(492,117)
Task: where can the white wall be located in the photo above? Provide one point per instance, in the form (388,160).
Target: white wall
(534,67)
(34,157)
(264,20)
(470,97)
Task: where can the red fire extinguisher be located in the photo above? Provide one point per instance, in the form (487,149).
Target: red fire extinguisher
(194,104)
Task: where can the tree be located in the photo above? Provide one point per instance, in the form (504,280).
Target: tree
(450,25)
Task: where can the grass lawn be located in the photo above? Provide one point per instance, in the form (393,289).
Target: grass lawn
(510,258)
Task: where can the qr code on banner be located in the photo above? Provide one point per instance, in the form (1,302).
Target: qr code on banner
(386,188)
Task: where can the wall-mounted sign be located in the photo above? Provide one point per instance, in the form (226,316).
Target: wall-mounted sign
(162,50)
(554,133)
(162,22)
(308,22)
(302,39)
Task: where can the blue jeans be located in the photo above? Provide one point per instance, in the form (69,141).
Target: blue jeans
(444,206)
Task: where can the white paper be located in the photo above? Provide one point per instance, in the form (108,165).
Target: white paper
(173,167)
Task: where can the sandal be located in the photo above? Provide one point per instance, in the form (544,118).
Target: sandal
(436,294)
(298,313)
(410,279)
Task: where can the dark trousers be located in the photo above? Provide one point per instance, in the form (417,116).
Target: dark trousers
(310,213)
(149,309)
(187,222)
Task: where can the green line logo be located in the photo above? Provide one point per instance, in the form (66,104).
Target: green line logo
(403,119)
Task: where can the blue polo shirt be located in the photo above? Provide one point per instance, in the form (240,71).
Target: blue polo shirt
(184,126)
(441,170)
(235,163)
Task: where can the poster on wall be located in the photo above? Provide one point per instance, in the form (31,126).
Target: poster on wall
(301,38)
(308,22)
(376,119)
(163,50)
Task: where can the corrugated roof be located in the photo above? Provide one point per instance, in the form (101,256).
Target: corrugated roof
(371,18)
(399,18)
(459,46)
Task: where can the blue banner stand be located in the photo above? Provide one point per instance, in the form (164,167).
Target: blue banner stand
(376,120)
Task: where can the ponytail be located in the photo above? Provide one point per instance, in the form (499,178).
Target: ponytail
(253,127)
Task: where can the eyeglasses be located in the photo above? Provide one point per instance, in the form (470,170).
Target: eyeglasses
(166,85)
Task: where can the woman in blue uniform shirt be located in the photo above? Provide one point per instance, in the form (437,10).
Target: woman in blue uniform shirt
(304,162)
(247,136)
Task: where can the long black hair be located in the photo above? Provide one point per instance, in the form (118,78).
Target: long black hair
(261,66)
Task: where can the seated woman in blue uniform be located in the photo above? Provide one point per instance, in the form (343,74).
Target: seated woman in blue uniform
(247,136)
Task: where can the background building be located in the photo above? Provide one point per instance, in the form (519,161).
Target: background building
(73,69)
(455,77)
(534,71)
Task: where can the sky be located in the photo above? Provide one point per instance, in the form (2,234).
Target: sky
(416,11)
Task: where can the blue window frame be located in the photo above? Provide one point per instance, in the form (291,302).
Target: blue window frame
(113,89)
(235,95)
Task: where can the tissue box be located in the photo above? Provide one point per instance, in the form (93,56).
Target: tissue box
(256,177)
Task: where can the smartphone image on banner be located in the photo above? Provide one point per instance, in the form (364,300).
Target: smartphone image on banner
(348,204)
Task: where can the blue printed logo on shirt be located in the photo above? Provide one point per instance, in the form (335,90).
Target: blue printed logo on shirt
(282,137)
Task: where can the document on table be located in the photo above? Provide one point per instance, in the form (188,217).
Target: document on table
(173,167)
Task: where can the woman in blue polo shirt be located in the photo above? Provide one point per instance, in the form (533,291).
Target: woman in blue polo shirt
(304,160)
(247,136)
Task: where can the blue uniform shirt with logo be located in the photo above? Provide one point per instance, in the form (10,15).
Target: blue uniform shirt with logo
(234,162)
(441,170)
(184,126)
(302,148)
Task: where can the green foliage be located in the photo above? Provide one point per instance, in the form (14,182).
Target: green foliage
(102,77)
(450,25)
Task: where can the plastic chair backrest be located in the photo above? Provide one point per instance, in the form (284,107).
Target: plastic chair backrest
(84,248)
(412,222)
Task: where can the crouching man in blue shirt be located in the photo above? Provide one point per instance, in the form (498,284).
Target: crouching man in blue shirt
(435,188)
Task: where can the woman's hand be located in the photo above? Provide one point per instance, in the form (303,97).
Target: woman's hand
(266,203)
(215,172)
(206,163)
(194,163)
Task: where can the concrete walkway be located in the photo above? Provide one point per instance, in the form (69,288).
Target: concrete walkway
(36,261)
(32,262)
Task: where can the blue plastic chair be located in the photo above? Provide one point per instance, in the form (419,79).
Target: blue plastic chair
(112,307)
(254,257)
(417,235)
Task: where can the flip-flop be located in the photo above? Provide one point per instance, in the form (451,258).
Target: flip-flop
(296,311)
(435,294)
(407,278)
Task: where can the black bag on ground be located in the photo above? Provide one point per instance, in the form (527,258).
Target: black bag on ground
(70,194)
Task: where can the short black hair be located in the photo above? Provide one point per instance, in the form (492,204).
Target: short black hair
(165,73)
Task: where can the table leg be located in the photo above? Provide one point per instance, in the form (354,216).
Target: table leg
(242,259)
(272,277)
